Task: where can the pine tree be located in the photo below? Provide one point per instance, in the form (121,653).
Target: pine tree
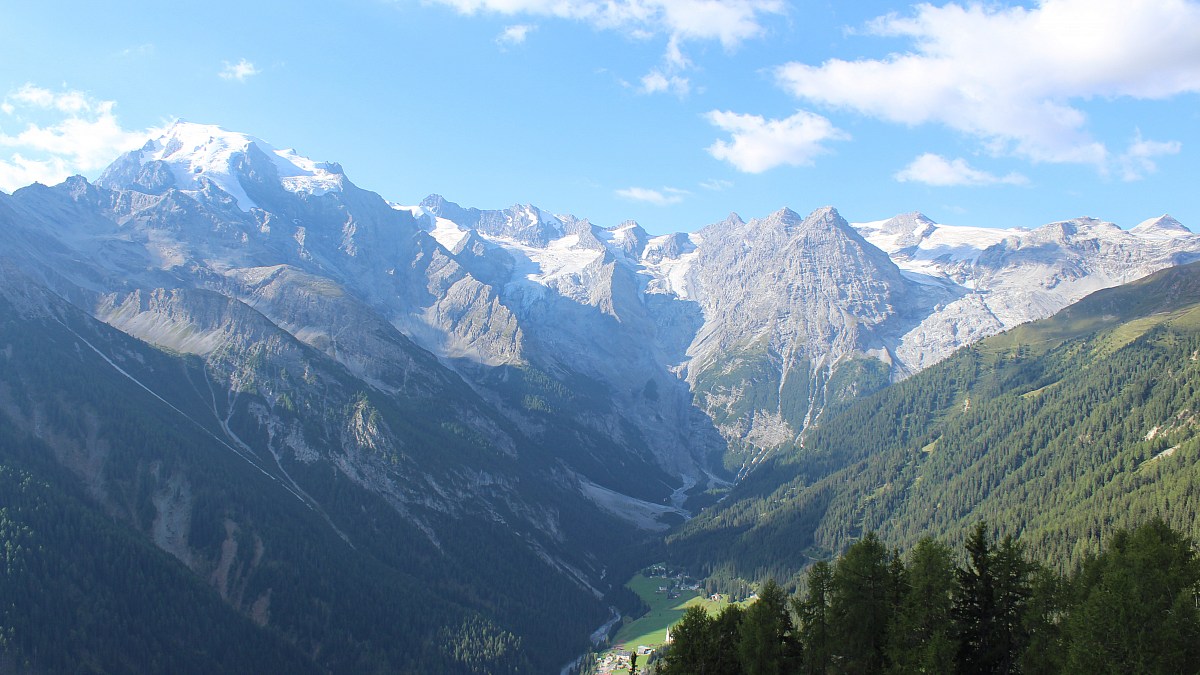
(765,637)
(813,612)
(1048,604)
(861,606)
(1136,606)
(726,630)
(921,636)
(993,590)
(692,644)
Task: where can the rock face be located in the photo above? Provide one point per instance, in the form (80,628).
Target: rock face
(787,300)
(770,321)
(673,352)
(511,367)
(1007,277)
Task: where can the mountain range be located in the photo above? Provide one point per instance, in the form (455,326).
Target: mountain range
(1057,433)
(414,386)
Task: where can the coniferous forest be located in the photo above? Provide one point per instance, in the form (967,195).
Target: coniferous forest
(988,608)
(1029,505)
(1058,433)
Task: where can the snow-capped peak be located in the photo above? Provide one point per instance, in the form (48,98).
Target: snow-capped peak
(198,154)
(1162,226)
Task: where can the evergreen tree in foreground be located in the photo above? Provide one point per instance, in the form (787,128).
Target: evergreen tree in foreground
(692,644)
(704,645)
(993,590)
(766,645)
(921,635)
(865,582)
(1135,606)
(816,642)
(726,631)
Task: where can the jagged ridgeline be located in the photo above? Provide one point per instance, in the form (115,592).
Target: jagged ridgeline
(437,437)
(1056,432)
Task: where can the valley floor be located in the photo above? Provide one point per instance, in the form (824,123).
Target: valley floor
(668,596)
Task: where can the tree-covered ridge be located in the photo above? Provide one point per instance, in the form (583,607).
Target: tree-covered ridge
(1060,431)
(80,594)
(1133,608)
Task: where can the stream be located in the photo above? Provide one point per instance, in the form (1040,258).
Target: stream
(598,636)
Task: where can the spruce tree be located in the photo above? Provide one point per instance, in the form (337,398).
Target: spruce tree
(692,645)
(766,633)
(813,612)
(1136,606)
(989,610)
(861,607)
(921,636)
(726,630)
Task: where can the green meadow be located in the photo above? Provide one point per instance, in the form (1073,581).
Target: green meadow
(650,630)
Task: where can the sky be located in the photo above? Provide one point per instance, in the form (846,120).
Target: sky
(673,113)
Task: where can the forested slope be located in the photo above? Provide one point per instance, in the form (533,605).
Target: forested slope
(138,537)
(1056,432)
(80,594)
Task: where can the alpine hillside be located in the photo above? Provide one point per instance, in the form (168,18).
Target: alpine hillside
(328,407)
(1060,432)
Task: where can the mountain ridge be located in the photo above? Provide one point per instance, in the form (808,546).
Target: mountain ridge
(570,386)
(492,291)
(1059,431)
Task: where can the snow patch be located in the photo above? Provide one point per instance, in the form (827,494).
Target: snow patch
(670,274)
(447,233)
(302,175)
(1162,227)
(200,154)
(559,264)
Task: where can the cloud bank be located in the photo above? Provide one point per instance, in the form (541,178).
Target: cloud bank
(758,144)
(1009,76)
(936,170)
(64,133)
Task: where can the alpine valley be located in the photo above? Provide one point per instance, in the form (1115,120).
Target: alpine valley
(251,411)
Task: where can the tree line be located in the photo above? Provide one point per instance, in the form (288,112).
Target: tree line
(1132,608)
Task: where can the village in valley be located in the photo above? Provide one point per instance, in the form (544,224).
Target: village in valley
(668,593)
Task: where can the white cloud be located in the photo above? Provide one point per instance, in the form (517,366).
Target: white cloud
(1009,75)
(728,21)
(936,170)
(667,78)
(717,184)
(18,171)
(240,71)
(663,197)
(674,57)
(64,133)
(760,144)
(656,81)
(514,35)
(1138,159)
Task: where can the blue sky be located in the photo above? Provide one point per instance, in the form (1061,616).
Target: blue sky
(669,112)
